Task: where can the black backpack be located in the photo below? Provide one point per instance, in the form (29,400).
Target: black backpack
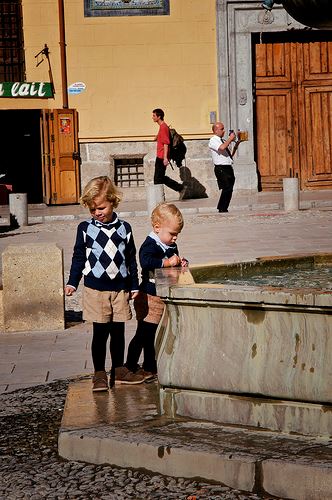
(177,147)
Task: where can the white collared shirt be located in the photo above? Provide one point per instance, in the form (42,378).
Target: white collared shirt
(219,157)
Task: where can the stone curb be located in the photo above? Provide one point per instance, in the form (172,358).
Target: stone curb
(241,210)
(123,428)
(249,209)
(98,448)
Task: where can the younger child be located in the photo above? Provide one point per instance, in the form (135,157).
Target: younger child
(158,250)
(105,254)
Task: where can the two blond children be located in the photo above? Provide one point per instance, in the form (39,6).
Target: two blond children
(105,254)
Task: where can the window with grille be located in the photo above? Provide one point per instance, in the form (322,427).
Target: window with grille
(12,64)
(129,172)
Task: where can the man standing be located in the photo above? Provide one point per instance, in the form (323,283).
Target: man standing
(162,158)
(222,158)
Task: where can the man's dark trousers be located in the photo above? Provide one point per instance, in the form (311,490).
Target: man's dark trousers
(225,179)
(161,178)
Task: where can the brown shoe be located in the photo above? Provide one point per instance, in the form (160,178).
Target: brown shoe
(100,382)
(145,375)
(125,376)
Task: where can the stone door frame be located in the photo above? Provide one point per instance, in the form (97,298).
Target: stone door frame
(237,20)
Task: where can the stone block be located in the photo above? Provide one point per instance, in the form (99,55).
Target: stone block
(298,480)
(93,169)
(1,311)
(305,419)
(33,296)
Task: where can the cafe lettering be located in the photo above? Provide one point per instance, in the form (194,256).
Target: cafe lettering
(36,90)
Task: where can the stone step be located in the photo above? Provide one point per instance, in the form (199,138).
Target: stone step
(123,427)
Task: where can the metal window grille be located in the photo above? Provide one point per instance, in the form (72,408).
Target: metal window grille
(129,172)
(12,63)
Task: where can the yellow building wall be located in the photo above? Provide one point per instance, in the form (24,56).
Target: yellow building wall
(130,65)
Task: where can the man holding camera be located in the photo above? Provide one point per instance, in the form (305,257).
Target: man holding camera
(222,158)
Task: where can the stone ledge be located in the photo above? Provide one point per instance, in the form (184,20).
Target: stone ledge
(123,428)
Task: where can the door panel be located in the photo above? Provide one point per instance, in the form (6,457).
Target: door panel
(46,153)
(274,136)
(293,112)
(272,64)
(318,108)
(61,157)
(317,60)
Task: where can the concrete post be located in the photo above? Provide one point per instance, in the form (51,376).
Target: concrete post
(33,296)
(18,208)
(291,194)
(154,194)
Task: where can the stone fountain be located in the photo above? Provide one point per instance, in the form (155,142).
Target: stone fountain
(256,352)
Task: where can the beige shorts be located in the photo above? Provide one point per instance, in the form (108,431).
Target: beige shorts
(149,308)
(103,307)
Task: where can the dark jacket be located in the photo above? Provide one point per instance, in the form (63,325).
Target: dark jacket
(151,256)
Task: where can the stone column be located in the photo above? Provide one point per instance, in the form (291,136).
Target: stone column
(18,208)
(291,194)
(154,194)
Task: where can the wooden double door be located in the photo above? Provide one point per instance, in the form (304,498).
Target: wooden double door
(293,106)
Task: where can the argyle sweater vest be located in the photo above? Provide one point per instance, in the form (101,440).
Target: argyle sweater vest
(105,255)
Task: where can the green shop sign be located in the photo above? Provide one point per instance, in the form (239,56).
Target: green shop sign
(37,90)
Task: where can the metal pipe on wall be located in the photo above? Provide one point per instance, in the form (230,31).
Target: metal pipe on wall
(63,58)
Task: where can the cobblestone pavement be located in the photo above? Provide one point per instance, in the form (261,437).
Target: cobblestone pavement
(30,468)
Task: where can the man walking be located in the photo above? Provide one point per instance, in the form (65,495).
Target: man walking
(222,158)
(162,159)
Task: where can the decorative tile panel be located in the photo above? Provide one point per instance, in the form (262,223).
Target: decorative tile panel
(105,8)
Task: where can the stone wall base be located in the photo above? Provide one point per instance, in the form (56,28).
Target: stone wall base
(282,416)
(198,172)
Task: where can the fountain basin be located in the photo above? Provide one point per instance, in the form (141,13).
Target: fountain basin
(256,355)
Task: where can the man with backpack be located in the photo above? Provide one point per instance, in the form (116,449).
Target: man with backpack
(163,155)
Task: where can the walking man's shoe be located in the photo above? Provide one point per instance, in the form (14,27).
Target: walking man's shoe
(100,382)
(125,376)
(184,192)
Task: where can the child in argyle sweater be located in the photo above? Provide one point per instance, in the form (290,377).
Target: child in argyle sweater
(105,254)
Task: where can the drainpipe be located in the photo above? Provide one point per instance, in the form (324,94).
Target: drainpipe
(63,59)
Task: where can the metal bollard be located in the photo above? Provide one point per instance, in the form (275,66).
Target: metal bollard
(154,194)
(18,208)
(291,194)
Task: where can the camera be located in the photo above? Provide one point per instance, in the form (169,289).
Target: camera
(231,131)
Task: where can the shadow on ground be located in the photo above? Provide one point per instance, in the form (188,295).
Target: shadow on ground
(194,188)
(73,317)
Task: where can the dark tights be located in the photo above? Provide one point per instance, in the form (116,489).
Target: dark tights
(101,332)
(143,340)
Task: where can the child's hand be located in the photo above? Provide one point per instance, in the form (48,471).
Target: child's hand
(174,261)
(69,290)
(184,262)
(133,295)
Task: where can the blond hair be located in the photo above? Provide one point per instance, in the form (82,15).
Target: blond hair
(100,186)
(165,212)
